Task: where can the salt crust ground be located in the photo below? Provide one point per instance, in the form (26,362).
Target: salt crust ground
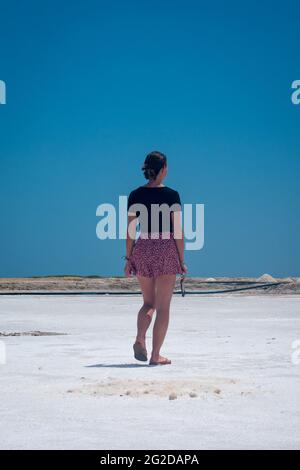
(232,381)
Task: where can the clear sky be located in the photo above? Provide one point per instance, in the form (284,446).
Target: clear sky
(94,85)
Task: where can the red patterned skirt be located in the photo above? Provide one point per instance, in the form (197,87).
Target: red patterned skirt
(155,256)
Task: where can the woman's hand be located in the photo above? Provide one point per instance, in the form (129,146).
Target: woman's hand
(128,270)
(184,268)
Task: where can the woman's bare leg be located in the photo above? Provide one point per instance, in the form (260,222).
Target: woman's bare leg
(144,318)
(164,286)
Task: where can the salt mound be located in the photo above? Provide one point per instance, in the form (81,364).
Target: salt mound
(210,279)
(266,278)
(288,279)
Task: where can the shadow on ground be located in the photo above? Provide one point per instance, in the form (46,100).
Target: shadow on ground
(120,366)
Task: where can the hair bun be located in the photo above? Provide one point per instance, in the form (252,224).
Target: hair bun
(154,162)
(149,173)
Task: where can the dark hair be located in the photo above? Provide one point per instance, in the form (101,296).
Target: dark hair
(154,162)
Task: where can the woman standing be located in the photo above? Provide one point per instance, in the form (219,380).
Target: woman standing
(157,255)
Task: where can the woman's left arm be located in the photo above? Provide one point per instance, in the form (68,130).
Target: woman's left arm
(179,238)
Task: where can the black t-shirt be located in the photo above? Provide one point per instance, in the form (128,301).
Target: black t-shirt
(158,204)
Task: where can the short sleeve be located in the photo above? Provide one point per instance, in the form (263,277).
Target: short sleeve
(130,202)
(176,200)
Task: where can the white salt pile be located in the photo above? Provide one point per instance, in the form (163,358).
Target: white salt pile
(210,279)
(266,278)
(288,279)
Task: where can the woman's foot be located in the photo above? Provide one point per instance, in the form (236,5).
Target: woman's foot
(140,351)
(159,361)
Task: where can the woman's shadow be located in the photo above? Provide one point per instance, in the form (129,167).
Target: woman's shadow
(120,366)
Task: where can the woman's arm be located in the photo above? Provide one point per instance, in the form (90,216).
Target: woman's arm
(131,234)
(179,238)
(130,239)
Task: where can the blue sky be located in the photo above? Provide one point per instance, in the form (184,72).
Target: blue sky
(93,86)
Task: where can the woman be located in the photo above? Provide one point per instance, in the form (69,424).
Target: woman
(157,255)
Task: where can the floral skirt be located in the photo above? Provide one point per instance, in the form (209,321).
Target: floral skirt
(155,256)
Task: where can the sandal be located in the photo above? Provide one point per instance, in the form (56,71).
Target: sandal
(165,361)
(140,352)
